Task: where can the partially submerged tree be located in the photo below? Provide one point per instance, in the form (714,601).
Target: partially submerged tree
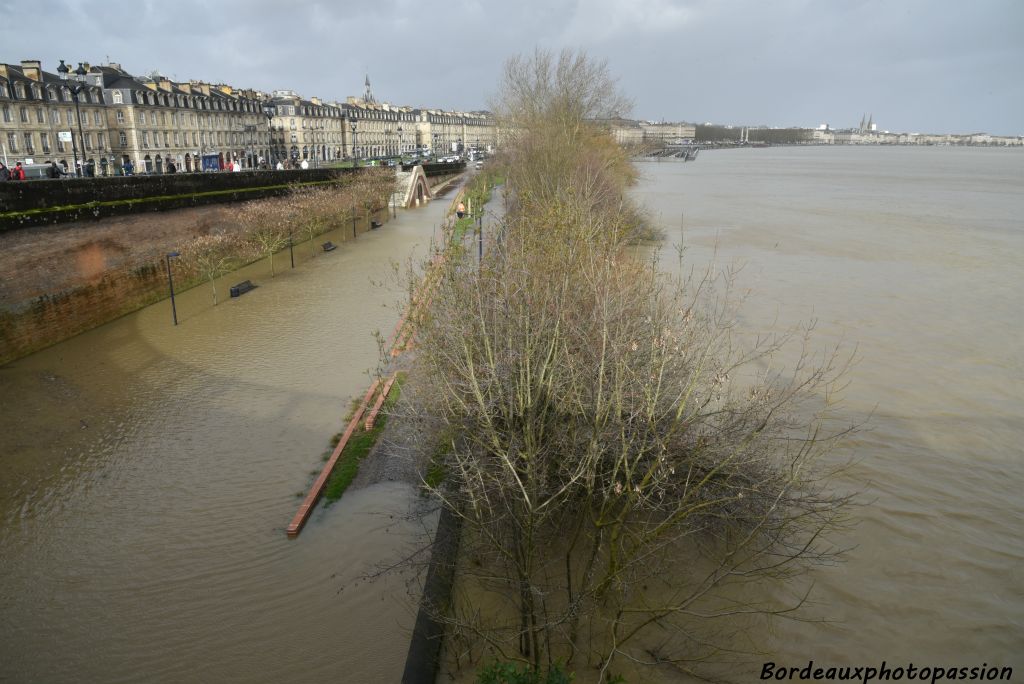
(211,256)
(616,452)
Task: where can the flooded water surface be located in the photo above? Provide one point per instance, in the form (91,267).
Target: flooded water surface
(915,258)
(147,473)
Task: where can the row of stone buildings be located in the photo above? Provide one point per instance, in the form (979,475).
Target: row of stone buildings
(108,118)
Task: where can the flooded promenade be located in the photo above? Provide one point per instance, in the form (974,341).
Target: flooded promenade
(148,472)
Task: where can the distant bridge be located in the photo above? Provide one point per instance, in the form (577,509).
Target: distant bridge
(686,152)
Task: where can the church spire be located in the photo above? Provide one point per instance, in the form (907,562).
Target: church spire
(368,94)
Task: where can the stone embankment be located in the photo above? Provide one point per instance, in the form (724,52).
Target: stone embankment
(61,280)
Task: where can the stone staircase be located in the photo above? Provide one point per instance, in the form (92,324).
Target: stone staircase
(405,194)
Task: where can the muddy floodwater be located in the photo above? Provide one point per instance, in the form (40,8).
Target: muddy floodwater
(147,473)
(916,258)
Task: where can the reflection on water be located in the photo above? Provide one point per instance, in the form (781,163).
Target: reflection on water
(147,473)
(914,255)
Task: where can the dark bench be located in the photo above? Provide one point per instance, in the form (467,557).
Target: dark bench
(329,246)
(241,288)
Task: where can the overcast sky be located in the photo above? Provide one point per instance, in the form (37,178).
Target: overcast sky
(943,66)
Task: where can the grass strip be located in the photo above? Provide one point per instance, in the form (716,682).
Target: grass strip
(359,445)
(161,198)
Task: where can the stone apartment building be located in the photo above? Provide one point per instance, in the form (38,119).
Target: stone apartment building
(36,106)
(305,129)
(109,118)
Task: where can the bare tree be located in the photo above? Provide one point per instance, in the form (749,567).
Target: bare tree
(617,452)
(211,256)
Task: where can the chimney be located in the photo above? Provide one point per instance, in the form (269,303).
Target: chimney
(187,87)
(204,88)
(115,65)
(165,85)
(226,89)
(32,68)
(315,100)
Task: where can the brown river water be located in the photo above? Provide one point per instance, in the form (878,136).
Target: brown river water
(916,258)
(147,472)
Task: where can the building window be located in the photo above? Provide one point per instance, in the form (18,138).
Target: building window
(176,139)
(167,139)
(96,117)
(65,94)
(70,117)
(195,138)
(142,118)
(120,116)
(88,141)
(60,145)
(44,142)
(29,147)
(7,114)
(40,115)
(84,116)
(24,114)
(55,117)
(145,140)
(122,138)
(101,140)
(19,91)
(118,97)
(12,142)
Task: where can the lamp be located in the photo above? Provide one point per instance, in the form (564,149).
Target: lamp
(170,283)
(75,89)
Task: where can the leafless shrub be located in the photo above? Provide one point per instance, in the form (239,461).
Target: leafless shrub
(617,452)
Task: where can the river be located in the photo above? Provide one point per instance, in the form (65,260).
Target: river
(147,473)
(915,256)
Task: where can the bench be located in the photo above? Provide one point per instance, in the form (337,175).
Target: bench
(329,246)
(241,288)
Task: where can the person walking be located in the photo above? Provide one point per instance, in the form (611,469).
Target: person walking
(280,166)
(18,173)
(5,173)
(304,164)
(460,210)
(54,170)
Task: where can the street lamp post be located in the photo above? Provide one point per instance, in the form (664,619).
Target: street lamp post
(268,111)
(75,89)
(170,284)
(355,156)
(399,142)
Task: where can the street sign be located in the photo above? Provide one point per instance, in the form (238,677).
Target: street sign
(64,136)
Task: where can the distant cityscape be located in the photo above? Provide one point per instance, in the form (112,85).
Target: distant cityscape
(102,120)
(630,132)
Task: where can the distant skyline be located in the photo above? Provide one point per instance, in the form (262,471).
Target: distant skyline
(926,66)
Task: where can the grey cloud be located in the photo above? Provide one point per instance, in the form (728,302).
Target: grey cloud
(925,65)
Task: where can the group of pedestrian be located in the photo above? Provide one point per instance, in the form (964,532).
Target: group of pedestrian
(17,173)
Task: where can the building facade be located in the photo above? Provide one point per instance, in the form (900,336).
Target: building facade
(114,122)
